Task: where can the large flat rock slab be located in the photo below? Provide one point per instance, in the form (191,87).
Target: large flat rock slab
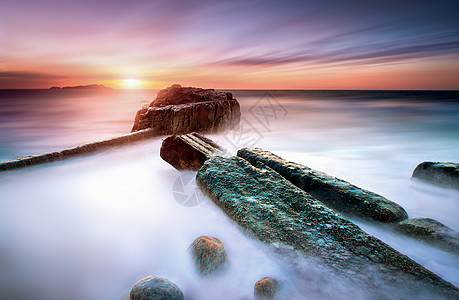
(275,211)
(444,174)
(334,192)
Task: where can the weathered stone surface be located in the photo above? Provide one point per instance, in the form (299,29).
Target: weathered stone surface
(445,174)
(266,288)
(83,149)
(155,288)
(334,192)
(209,255)
(181,110)
(431,231)
(189,151)
(275,211)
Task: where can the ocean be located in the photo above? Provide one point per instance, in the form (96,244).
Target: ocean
(91,226)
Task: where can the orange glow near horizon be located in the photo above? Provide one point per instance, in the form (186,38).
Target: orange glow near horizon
(271,46)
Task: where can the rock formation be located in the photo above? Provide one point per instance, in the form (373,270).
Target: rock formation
(332,191)
(431,231)
(445,174)
(188,152)
(83,149)
(275,211)
(266,288)
(181,110)
(209,255)
(155,288)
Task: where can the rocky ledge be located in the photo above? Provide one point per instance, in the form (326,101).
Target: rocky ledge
(181,110)
(189,151)
(333,192)
(445,174)
(275,211)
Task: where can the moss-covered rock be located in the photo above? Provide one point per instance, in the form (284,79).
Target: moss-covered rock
(274,210)
(334,192)
(155,288)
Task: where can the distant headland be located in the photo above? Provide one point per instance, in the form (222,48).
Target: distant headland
(82,87)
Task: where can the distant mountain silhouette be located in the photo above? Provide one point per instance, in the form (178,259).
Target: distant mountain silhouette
(83,87)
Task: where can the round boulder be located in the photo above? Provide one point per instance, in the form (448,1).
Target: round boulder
(155,288)
(266,288)
(209,254)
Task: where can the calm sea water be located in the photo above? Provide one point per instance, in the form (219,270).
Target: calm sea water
(90,227)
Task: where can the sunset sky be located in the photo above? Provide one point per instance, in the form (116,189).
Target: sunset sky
(366,44)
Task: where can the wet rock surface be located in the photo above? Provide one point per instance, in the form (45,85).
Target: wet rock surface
(444,174)
(431,231)
(181,110)
(155,288)
(266,288)
(334,192)
(275,211)
(209,255)
(83,149)
(188,152)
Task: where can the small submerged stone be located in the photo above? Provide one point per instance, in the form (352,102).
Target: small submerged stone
(445,174)
(431,231)
(266,288)
(209,255)
(155,288)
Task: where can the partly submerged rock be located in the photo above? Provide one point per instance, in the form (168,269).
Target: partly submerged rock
(189,151)
(445,174)
(155,288)
(334,192)
(181,110)
(79,150)
(431,231)
(275,211)
(266,288)
(209,255)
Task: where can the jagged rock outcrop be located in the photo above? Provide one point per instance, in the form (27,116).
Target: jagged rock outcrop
(189,151)
(265,288)
(209,255)
(181,110)
(334,192)
(445,174)
(275,211)
(155,288)
(431,231)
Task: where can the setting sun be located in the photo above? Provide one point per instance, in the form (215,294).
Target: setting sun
(131,83)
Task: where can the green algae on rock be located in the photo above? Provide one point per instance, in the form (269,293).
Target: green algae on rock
(334,192)
(276,211)
(155,288)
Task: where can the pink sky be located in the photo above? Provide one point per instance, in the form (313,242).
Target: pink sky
(239,44)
